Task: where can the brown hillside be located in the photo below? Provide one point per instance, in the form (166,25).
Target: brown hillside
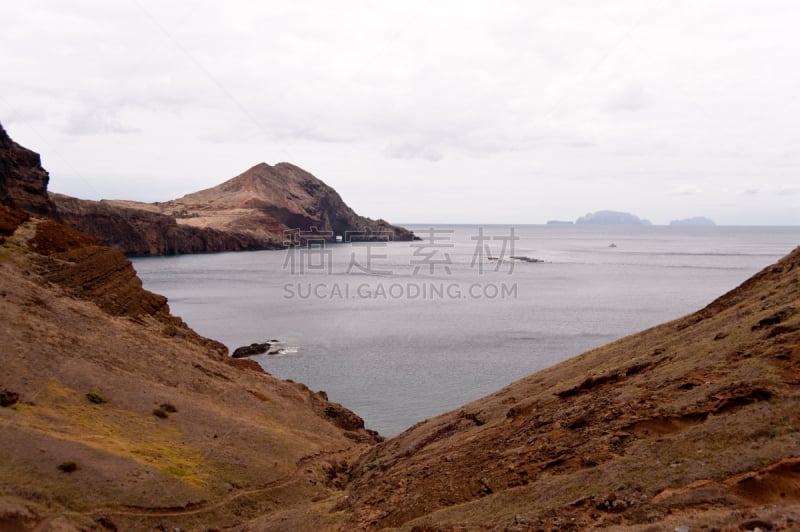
(695,422)
(270,199)
(74,320)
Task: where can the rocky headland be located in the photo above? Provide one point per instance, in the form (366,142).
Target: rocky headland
(265,207)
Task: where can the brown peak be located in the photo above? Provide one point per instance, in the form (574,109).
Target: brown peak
(264,167)
(263,173)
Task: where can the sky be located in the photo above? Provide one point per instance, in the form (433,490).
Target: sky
(438,111)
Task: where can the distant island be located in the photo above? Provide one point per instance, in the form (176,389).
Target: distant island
(559,222)
(611,218)
(697,221)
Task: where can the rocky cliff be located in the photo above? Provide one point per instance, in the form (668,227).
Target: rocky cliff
(254,210)
(24,182)
(136,231)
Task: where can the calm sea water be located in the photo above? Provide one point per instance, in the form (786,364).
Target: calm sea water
(402,332)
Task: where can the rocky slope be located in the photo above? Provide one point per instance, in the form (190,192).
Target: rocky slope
(115,415)
(251,211)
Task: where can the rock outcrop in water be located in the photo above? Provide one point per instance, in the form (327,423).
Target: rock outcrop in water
(253,210)
(250,350)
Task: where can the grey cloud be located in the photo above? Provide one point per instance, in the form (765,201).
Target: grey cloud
(789,190)
(632,97)
(97,121)
(686,190)
(414,150)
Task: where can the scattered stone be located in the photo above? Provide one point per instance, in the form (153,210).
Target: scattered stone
(8,398)
(775,319)
(251,350)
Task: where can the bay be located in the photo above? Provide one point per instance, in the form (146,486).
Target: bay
(401,331)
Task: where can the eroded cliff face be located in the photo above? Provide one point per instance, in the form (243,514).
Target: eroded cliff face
(254,210)
(23,181)
(144,232)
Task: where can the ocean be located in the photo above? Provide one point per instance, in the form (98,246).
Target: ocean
(402,331)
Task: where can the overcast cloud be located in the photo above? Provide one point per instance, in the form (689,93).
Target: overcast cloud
(420,111)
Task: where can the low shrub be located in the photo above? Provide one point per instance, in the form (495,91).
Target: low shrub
(96,398)
(68,467)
